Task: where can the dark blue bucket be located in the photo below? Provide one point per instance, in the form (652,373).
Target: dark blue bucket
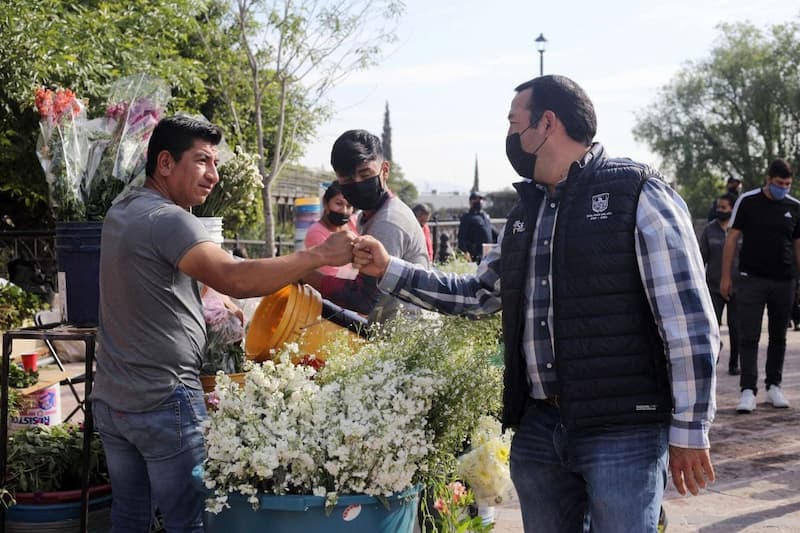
(306,514)
(78,257)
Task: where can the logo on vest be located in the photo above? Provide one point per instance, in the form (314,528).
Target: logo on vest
(646,407)
(599,207)
(518,227)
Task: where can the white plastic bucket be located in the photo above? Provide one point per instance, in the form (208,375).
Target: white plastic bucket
(213,227)
(42,407)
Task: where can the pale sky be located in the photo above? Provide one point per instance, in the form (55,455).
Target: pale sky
(450,77)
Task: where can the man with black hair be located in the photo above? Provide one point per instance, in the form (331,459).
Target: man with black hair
(732,188)
(147,398)
(767,220)
(475,229)
(609,331)
(357,159)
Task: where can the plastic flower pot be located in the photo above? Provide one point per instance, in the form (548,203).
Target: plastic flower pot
(306,514)
(59,512)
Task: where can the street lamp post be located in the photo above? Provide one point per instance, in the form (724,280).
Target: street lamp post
(541,46)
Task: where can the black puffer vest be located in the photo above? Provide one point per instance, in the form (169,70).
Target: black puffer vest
(609,355)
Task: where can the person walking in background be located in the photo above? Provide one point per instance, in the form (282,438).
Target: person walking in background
(712,242)
(733,186)
(768,222)
(609,330)
(336,216)
(475,228)
(423,214)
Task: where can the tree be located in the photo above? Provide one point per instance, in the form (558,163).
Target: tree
(83,46)
(729,114)
(295,52)
(386,138)
(399,185)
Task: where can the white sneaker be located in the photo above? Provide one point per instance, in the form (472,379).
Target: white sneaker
(776,398)
(748,402)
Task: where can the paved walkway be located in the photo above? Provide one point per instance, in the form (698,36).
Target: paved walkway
(756,456)
(756,459)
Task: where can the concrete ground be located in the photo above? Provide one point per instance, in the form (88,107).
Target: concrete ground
(756,457)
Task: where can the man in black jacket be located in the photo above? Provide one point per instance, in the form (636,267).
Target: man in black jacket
(610,335)
(475,229)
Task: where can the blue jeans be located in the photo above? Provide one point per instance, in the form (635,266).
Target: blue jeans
(601,480)
(150,458)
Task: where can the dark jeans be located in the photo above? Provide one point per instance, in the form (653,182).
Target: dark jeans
(733,330)
(752,294)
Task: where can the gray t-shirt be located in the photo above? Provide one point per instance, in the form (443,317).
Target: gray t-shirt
(396,227)
(151,334)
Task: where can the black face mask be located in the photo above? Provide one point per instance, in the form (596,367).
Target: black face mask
(522,161)
(338,219)
(723,215)
(364,194)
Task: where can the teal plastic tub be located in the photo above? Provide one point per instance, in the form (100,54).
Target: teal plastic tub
(306,514)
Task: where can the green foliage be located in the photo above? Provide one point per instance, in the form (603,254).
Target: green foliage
(237,196)
(403,188)
(294,53)
(19,378)
(83,46)
(48,458)
(17,305)
(460,351)
(729,114)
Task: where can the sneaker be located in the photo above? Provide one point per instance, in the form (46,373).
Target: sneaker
(748,402)
(776,398)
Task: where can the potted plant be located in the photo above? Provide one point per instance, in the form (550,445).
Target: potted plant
(43,477)
(225,331)
(18,378)
(312,451)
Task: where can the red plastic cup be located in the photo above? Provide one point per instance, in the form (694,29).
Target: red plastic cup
(30,361)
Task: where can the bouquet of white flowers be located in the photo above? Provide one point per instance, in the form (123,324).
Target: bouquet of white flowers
(485,467)
(376,422)
(363,431)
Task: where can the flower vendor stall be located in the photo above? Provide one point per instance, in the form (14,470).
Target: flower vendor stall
(377,425)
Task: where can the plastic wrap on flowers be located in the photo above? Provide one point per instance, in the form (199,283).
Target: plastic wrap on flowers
(137,102)
(62,149)
(485,467)
(118,141)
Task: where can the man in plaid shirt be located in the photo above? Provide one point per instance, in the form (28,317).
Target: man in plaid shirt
(610,335)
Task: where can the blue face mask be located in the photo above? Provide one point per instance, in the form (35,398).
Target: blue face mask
(777,192)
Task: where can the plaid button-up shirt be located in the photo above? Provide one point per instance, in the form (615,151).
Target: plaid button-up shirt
(673,276)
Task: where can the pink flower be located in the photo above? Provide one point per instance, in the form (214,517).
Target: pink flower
(458,489)
(213,398)
(441,506)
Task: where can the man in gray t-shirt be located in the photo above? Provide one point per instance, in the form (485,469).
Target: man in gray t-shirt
(147,400)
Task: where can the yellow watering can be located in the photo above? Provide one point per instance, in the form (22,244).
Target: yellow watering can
(297,313)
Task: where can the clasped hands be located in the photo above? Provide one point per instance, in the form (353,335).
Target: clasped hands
(366,253)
